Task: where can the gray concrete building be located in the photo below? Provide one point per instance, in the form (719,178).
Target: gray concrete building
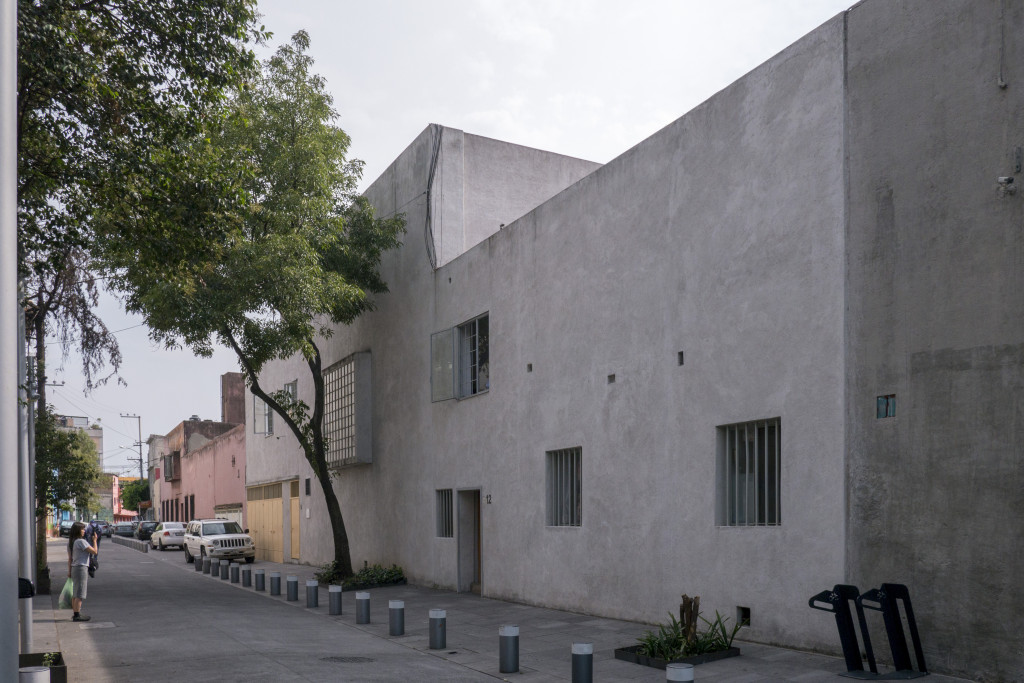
(777,346)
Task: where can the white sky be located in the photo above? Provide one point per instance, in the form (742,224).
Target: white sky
(587,78)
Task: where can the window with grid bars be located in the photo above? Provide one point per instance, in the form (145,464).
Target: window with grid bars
(340,416)
(444,513)
(750,474)
(565,487)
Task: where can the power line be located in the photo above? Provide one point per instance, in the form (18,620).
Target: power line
(74,339)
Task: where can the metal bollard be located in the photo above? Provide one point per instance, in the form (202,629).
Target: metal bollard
(312,593)
(225,567)
(246,577)
(396,617)
(198,562)
(206,564)
(438,629)
(34,674)
(234,573)
(679,672)
(508,649)
(582,662)
(275,583)
(335,599)
(362,608)
(261,580)
(293,588)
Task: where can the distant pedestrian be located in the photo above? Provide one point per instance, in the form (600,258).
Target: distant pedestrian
(79,551)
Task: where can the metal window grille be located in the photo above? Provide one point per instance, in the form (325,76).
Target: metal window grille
(474,365)
(565,487)
(265,492)
(445,525)
(295,488)
(340,416)
(751,464)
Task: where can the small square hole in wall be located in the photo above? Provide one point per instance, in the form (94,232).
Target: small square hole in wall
(743,616)
(611,379)
(885,406)
(680,357)
(529,367)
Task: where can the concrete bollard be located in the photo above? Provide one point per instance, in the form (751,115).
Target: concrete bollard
(582,663)
(206,564)
(261,580)
(508,649)
(293,588)
(312,593)
(275,583)
(438,629)
(362,608)
(225,568)
(198,562)
(234,573)
(246,577)
(334,593)
(396,617)
(34,674)
(679,672)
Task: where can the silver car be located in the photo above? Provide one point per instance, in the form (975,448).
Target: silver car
(168,535)
(221,539)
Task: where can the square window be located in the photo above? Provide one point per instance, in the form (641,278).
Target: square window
(460,360)
(749,474)
(443,513)
(565,487)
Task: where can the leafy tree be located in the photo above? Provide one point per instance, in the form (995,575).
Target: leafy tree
(100,83)
(259,243)
(133,493)
(67,467)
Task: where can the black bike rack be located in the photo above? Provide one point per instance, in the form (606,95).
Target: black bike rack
(838,600)
(885,600)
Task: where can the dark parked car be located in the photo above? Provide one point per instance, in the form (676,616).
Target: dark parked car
(144,532)
(65,526)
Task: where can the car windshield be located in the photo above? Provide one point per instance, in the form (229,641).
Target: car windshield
(217,528)
(149,525)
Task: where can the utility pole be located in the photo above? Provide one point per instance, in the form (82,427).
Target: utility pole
(138,443)
(10,351)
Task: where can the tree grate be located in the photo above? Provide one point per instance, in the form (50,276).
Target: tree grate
(347,660)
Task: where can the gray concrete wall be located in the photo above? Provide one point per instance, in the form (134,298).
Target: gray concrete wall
(936,316)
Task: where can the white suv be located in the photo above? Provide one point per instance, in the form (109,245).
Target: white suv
(221,539)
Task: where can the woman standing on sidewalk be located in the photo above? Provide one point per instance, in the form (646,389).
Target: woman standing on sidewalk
(79,551)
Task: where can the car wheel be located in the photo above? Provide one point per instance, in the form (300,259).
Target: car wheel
(188,557)
(250,560)
(162,546)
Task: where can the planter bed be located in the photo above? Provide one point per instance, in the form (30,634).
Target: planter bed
(631,654)
(58,670)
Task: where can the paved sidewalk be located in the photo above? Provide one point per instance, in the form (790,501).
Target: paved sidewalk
(154,618)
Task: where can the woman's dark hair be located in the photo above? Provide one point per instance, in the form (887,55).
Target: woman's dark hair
(76,532)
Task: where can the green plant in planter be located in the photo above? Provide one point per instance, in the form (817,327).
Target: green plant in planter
(669,642)
(376,575)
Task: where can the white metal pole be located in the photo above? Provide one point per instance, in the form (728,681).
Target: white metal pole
(9,350)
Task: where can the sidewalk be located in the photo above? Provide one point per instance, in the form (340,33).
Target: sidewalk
(155,618)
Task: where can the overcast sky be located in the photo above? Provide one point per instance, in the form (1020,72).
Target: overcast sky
(587,78)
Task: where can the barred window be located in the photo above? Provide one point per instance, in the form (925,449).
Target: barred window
(460,360)
(340,416)
(565,487)
(444,513)
(750,474)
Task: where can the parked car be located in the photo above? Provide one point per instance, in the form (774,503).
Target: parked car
(221,539)
(168,534)
(65,527)
(144,531)
(123,529)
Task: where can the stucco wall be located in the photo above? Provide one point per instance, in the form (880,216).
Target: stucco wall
(936,317)
(215,473)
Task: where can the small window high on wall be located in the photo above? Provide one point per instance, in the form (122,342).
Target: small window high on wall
(460,360)
(750,474)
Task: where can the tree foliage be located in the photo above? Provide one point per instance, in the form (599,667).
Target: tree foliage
(67,465)
(133,493)
(100,84)
(258,242)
